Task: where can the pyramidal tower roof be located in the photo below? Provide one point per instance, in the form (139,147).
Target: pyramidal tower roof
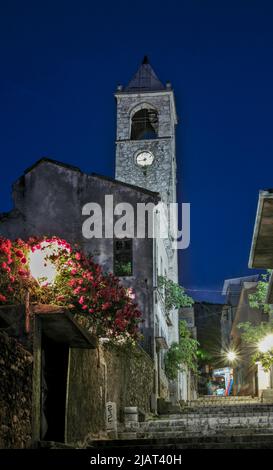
(145,79)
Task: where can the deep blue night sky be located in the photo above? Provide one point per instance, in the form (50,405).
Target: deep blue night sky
(61,62)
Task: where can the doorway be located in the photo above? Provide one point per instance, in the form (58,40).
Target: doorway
(53,385)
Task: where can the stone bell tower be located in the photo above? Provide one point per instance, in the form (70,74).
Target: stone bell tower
(145,140)
(146,157)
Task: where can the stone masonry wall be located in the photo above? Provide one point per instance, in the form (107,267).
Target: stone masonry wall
(48,200)
(15,393)
(122,375)
(160,176)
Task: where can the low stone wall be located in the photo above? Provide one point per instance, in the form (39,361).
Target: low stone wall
(123,375)
(15,393)
(129,377)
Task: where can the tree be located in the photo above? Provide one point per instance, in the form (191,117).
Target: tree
(258,298)
(252,334)
(181,355)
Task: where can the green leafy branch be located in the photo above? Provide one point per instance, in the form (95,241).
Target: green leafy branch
(174,294)
(258,298)
(182,355)
(252,334)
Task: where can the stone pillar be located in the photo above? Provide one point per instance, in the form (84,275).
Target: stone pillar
(111,419)
(130,414)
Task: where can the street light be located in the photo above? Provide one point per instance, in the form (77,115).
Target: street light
(266,344)
(41,267)
(231,356)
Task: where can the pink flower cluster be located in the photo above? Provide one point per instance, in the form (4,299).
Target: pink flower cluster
(80,283)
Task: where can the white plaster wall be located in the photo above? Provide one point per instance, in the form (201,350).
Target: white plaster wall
(263,379)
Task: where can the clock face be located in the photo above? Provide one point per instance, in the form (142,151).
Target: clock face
(144,158)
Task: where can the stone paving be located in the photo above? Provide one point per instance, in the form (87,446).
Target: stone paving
(236,422)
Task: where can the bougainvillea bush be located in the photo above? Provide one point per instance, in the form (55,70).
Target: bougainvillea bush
(98,299)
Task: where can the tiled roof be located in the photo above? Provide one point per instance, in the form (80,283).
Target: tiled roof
(145,79)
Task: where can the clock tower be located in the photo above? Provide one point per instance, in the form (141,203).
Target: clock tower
(146,157)
(145,140)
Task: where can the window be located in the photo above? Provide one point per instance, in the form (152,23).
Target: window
(144,124)
(123,257)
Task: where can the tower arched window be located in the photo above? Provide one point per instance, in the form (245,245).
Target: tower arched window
(144,124)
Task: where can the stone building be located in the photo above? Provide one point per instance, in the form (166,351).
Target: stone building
(231,290)
(261,256)
(146,157)
(57,380)
(63,191)
(249,378)
(50,196)
(146,121)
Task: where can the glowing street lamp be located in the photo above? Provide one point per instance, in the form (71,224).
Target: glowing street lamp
(231,356)
(266,344)
(41,267)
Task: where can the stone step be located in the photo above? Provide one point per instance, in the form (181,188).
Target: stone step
(205,428)
(197,426)
(215,412)
(229,398)
(267,396)
(236,406)
(202,429)
(194,417)
(240,424)
(225,410)
(206,425)
(221,415)
(173,436)
(243,441)
(190,418)
(222,404)
(51,445)
(195,435)
(224,400)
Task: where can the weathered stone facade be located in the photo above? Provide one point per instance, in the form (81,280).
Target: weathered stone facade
(48,200)
(121,375)
(146,121)
(161,175)
(91,378)
(249,378)
(15,393)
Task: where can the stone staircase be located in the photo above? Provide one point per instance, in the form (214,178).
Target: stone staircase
(211,400)
(232,422)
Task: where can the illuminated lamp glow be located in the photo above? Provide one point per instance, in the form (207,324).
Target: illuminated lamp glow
(231,356)
(266,344)
(41,268)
